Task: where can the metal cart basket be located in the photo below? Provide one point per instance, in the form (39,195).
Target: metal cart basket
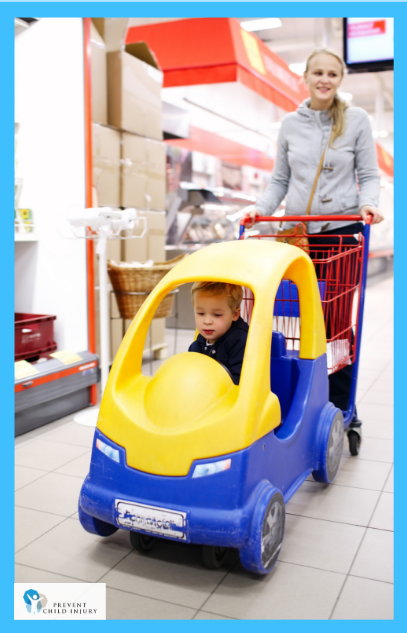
(341,269)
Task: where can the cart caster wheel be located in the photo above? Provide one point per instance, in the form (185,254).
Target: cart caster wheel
(214,557)
(331,450)
(354,442)
(142,542)
(95,526)
(266,535)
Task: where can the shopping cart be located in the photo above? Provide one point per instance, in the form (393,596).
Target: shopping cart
(341,270)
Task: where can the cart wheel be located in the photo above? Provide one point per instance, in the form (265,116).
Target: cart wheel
(330,450)
(142,542)
(214,557)
(95,526)
(267,532)
(354,442)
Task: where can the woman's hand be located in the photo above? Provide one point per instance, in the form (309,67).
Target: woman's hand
(368,210)
(250,212)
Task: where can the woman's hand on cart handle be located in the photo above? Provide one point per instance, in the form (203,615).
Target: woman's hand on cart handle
(367,210)
(250,213)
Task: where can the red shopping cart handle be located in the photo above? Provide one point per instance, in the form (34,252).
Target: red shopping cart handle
(305,218)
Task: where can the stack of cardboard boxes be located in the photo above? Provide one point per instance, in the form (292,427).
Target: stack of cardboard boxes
(129,157)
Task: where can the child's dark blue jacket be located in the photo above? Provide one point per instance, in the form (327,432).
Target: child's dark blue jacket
(228,349)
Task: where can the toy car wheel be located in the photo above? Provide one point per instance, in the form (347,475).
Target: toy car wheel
(267,533)
(214,557)
(354,442)
(95,526)
(331,450)
(142,542)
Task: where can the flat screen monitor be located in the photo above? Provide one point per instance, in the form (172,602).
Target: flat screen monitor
(368,44)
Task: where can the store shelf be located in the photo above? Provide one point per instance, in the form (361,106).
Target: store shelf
(25,237)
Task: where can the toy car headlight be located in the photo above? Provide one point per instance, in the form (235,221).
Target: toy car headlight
(201,470)
(113,453)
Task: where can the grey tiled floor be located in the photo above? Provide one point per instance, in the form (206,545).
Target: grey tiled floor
(337,556)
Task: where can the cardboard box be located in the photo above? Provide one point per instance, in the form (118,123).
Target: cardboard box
(152,245)
(106,165)
(113,31)
(134,83)
(98,77)
(143,172)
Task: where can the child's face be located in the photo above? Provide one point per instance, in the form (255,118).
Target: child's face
(213,315)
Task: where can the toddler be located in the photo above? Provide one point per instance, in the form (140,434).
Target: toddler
(222,331)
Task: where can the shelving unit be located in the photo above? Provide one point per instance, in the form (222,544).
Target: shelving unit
(25,237)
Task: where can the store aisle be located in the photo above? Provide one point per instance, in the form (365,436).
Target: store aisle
(337,556)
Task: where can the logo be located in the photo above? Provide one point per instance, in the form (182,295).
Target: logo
(34,601)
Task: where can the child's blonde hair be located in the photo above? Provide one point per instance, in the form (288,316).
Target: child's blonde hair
(233,293)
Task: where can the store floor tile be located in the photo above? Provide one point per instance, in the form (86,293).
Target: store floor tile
(24,476)
(47,455)
(384,512)
(31,524)
(383,385)
(70,549)
(373,449)
(25,574)
(380,429)
(71,433)
(321,544)
(374,559)
(204,615)
(78,467)
(121,605)
(334,503)
(376,396)
(382,413)
(54,493)
(363,599)
(389,487)
(172,571)
(360,473)
(289,592)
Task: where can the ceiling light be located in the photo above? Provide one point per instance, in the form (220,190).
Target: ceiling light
(298,69)
(383,134)
(345,96)
(261,25)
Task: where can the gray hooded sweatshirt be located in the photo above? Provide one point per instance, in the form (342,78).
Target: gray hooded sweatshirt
(301,141)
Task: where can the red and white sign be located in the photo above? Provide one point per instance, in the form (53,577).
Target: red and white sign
(366,29)
(369,40)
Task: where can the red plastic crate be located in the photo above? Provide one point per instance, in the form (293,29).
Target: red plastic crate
(34,335)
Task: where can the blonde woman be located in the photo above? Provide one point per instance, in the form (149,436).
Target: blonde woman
(348,183)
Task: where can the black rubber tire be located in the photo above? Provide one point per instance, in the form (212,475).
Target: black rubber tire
(354,442)
(142,542)
(214,557)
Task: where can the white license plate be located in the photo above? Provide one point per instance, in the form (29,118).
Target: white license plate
(151,519)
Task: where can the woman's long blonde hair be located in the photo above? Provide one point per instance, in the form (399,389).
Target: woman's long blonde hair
(338,107)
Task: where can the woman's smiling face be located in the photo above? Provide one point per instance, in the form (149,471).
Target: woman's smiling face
(323,78)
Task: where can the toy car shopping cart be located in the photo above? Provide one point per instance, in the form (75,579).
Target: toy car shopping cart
(341,268)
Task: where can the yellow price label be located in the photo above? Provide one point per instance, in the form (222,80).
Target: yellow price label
(66,357)
(253,52)
(24,369)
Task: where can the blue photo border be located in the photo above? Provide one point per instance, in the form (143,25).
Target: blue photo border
(9,10)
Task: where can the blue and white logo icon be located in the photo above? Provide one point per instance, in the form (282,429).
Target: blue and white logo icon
(34,601)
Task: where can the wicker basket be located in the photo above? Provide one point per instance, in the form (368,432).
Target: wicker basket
(132,285)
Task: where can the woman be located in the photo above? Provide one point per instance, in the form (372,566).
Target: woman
(325,122)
